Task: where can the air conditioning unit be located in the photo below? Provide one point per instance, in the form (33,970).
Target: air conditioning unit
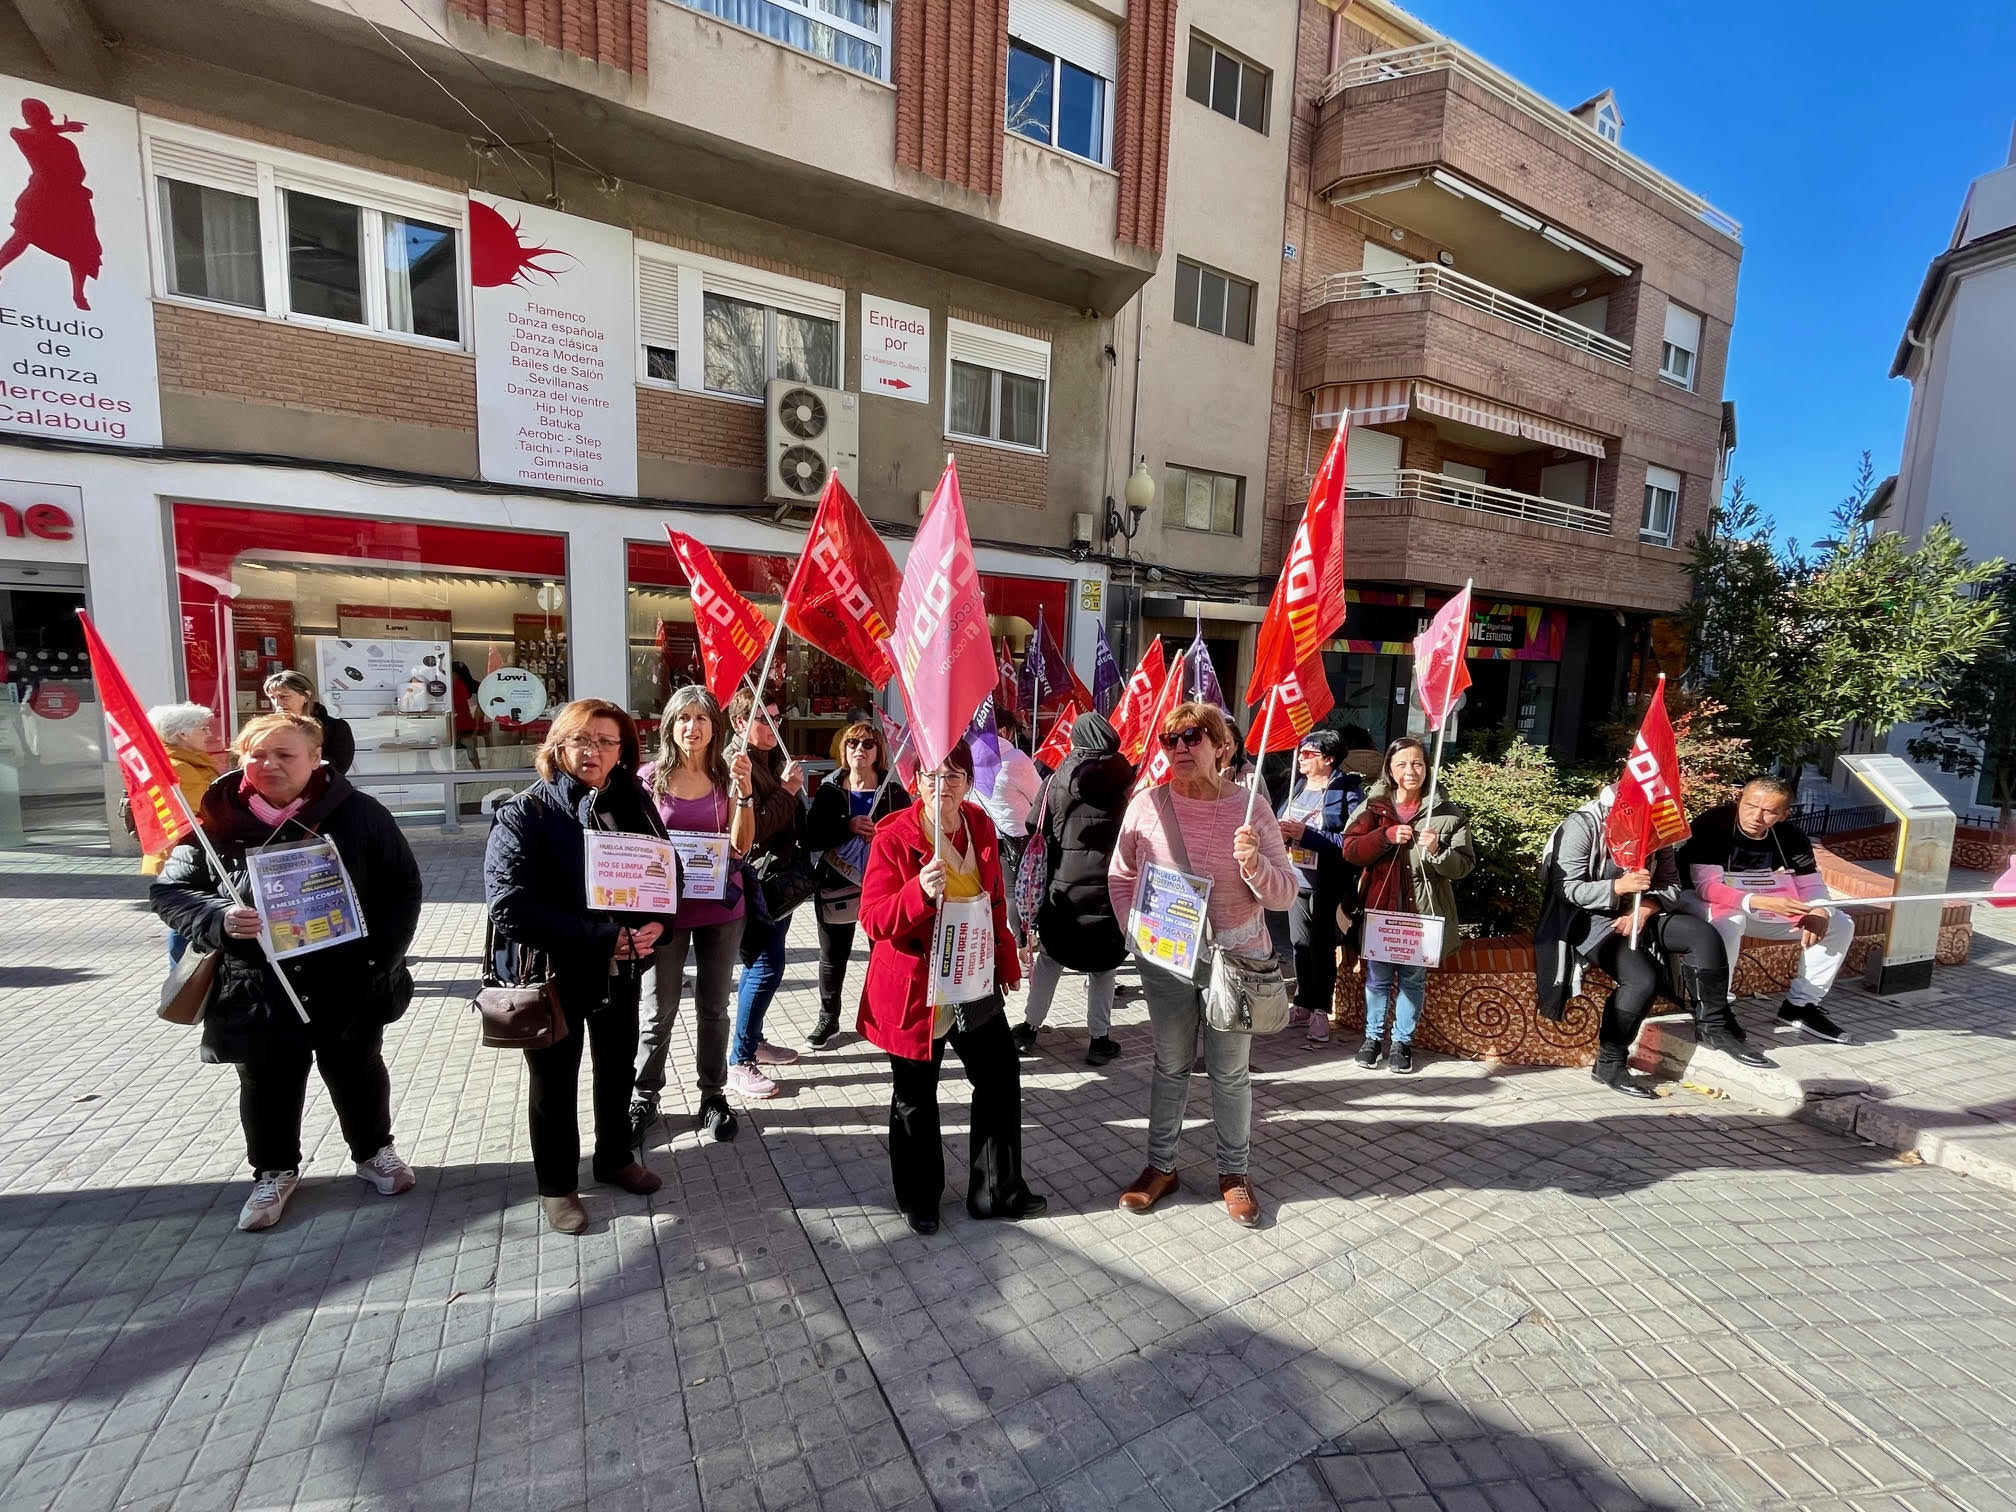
(808,433)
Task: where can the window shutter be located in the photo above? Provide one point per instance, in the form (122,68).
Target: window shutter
(658,304)
(203,165)
(1076,36)
(986,347)
(1683,328)
(750,284)
(1370,454)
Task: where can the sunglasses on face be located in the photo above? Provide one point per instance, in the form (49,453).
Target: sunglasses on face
(861,743)
(1191,738)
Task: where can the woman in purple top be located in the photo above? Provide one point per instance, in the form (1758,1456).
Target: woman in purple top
(689,784)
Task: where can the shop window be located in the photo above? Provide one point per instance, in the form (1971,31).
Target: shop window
(292,237)
(52,778)
(399,625)
(817,697)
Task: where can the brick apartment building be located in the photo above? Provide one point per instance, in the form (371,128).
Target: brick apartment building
(1527,327)
(305,435)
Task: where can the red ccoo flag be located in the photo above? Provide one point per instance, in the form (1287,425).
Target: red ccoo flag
(1155,770)
(1648,814)
(1057,744)
(1441,668)
(1308,602)
(1130,715)
(943,650)
(1305,697)
(732,630)
(842,598)
(160,813)
(1006,694)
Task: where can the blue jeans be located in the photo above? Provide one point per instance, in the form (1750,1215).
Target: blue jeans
(178,942)
(762,972)
(1381,980)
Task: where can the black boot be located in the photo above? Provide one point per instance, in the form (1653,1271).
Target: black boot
(1612,1067)
(824,1029)
(1705,995)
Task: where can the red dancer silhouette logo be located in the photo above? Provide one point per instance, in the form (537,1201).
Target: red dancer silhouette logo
(54,211)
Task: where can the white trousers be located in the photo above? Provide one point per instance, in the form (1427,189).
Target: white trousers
(1819,963)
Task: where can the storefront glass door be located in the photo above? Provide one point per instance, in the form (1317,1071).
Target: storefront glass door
(52,789)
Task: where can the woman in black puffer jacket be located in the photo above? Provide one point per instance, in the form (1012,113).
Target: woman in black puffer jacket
(351,991)
(535,877)
(1075,926)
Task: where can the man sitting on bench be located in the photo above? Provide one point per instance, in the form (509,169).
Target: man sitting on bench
(1750,872)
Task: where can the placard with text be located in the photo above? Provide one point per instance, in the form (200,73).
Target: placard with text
(76,310)
(556,344)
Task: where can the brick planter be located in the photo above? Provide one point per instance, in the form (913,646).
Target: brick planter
(1482,1006)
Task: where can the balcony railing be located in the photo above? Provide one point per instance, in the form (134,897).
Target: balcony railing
(1439,488)
(1433,278)
(1432,57)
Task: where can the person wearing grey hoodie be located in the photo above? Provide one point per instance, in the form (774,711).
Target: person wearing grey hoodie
(1587,921)
(1076,928)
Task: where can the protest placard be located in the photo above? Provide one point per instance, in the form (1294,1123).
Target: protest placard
(304,897)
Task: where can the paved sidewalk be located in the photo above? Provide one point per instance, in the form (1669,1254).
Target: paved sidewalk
(1930,1073)
(1476,1290)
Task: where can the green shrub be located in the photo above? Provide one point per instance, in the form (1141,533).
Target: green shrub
(1514,805)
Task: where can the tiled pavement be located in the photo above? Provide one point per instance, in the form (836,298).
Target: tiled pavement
(1476,1290)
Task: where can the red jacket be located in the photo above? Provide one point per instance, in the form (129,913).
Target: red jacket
(895,1012)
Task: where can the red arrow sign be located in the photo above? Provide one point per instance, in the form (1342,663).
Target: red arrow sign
(894,383)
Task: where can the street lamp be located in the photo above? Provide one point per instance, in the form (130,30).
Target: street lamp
(1139,494)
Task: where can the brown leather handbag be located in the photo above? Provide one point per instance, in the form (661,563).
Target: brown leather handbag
(524,1013)
(192,982)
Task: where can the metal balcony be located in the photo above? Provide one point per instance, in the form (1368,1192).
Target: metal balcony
(1438,488)
(1447,283)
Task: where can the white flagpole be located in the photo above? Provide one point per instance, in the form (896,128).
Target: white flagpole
(1448,698)
(763,678)
(230,891)
(1266,730)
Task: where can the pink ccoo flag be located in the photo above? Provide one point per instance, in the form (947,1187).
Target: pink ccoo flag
(941,645)
(2005,887)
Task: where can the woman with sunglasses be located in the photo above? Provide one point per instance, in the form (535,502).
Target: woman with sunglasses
(1412,854)
(1319,804)
(941,851)
(844,813)
(1197,825)
(535,879)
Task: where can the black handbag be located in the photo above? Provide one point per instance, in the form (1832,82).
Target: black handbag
(524,1013)
(783,883)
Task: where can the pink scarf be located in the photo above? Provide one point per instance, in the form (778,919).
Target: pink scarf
(267,813)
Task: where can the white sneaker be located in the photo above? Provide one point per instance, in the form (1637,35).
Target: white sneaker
(268,1200)
(1298,1018)
(747,1081)
(387,1172)
(768,1054)
(1319,1029)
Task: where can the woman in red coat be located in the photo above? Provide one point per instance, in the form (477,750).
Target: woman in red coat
(905,892)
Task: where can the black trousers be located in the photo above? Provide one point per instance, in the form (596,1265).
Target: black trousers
(1312,926)
(836,943)
(609,1035)
(916,1145)
(1695,947)
(272,1091)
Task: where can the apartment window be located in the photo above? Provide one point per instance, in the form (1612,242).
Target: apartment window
(1062,62)
(210,238)
(294,238)
(1208,501)
(1213,301)
(1227,84)
(748,344)
(851,33)
(1680,356)
(1662,507)
(711,326)
(997,385)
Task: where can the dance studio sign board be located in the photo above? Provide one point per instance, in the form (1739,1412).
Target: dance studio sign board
(556,348)
(76,312)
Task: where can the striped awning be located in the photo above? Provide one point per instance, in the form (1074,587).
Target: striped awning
(1392,399)
(1366,403)
(1489,414)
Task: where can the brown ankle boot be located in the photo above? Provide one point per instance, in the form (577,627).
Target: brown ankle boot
(1149,1188)
(637,1178)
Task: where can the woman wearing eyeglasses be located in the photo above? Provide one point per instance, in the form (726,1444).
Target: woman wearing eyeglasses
(1197,824)
(535,880)
(1313,817)
(942,853)
(844,813)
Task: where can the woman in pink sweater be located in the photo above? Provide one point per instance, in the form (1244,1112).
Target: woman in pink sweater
(1248,869)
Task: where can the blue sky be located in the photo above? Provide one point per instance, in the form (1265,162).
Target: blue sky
(1842,136)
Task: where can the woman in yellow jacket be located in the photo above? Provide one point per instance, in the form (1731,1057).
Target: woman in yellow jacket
(189,730)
